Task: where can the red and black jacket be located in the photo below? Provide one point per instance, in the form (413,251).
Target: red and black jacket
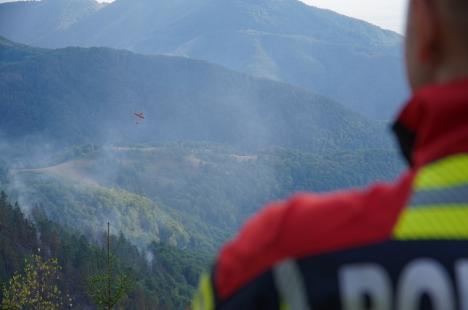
(392,246)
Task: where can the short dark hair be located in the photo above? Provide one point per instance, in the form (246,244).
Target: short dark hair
(457,12)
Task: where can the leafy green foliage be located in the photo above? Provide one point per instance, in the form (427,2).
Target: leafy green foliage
(164,277)
(36,288)
(108,298)
(86,207)
(107,289)
(180,271)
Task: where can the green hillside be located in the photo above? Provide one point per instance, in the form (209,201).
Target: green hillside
(176,202)
(247,141)
(213,148)
(163,277)
(190,195)
(75,95)
(88,208)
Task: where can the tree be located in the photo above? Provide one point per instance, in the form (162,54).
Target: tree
(36,288)
(105,288)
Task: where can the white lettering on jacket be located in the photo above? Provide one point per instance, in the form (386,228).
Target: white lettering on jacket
(370,285)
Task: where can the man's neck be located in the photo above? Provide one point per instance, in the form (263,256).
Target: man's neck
(451,72)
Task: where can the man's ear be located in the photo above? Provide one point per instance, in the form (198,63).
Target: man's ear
(427,23)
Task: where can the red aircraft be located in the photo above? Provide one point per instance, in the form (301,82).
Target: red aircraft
(140,116)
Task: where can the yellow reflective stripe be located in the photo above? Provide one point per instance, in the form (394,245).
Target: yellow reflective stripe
(204,299)
(284,306)
(448,172)
(433,222)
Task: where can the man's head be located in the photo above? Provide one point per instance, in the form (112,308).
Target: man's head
(436,41)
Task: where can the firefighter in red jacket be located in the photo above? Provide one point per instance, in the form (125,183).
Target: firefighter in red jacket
(393,246)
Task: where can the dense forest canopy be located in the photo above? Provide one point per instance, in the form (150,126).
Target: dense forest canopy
(76,95)
(164,277)
(178,146)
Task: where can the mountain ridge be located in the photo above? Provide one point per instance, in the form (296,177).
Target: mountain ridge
(319,50)
(214,141)
(85,95)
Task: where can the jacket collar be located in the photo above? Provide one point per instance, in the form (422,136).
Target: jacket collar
(434,124)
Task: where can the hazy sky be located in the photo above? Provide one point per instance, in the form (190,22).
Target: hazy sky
(389,14)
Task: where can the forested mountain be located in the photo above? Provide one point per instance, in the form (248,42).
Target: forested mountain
(162,276)
(175,153)
(190,195)
(214,146)
(342,58)
(77,95)
(38,20)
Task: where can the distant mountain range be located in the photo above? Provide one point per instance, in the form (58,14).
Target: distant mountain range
(348,60)
(214,144)
(177,152)
(79,95)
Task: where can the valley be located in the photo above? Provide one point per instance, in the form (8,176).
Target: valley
(175,121)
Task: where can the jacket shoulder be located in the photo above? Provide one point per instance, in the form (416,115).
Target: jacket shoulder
(308,225)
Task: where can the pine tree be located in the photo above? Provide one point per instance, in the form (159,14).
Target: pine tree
(106,288)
